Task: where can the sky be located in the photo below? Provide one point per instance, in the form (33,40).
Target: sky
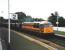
(34,8)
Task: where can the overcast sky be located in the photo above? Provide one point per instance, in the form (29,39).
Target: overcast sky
(34,8)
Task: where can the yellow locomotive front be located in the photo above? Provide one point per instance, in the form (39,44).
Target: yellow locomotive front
(46,28)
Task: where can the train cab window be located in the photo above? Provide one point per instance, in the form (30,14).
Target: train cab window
(46,25)
(41,26)
(36,25)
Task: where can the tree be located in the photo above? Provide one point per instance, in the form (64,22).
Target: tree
(28,19)
(1,19)
(38,19)
(21,16)
(41,19)
(61,21)
(53,19)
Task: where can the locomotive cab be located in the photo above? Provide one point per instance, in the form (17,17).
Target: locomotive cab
(47,28)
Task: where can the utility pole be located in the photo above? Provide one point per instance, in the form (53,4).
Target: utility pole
(8,21)
(56,13)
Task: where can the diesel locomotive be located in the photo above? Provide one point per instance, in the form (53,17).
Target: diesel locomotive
(43,27)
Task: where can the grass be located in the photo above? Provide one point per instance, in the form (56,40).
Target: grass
(60,32)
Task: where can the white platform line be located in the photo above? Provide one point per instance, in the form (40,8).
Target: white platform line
(60,35)
(36,41)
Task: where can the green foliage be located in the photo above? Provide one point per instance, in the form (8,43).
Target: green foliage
(53,20)
(28,19)
(1,19)
(38,19)
(61,21)
(21,16)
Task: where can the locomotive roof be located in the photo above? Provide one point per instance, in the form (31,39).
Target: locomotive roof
(41,22)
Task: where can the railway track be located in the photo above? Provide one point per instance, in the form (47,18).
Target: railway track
(55,40)
(60,40)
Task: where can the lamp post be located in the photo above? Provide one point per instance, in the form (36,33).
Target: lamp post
(8,21)
(56,13)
